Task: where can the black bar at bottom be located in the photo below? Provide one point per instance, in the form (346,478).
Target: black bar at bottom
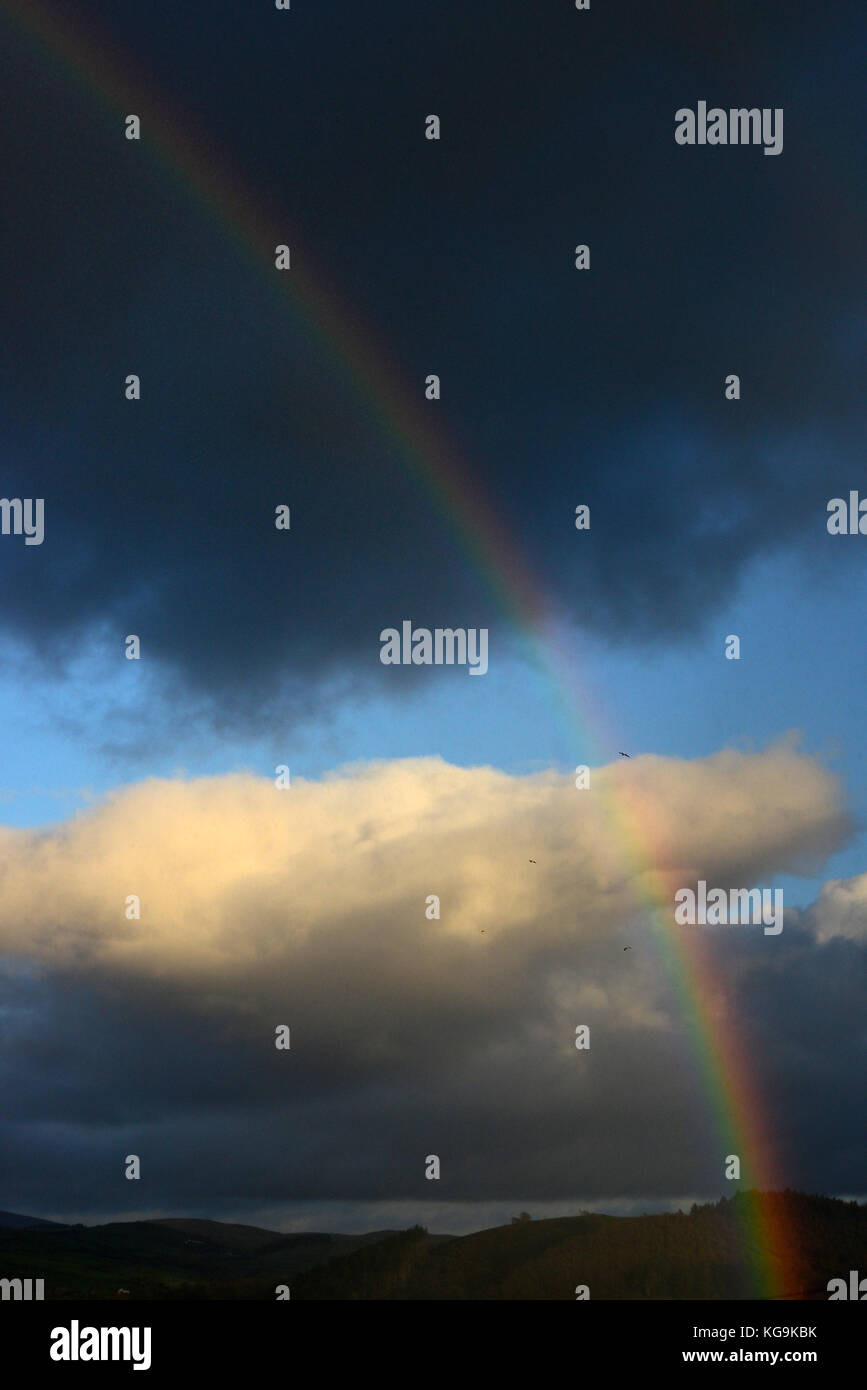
(422,1339)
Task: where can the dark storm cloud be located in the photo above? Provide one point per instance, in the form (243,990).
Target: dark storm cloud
(560,387)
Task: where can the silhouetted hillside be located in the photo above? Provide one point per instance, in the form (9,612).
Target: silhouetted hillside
(699,1256)
(704,1255)
(14,1221)
(171,1258)
(224,1236)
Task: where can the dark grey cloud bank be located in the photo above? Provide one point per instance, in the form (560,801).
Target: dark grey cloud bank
(414,1036)
(560,387)
(217,1119)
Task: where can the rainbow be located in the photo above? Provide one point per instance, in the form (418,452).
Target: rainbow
(738,1112)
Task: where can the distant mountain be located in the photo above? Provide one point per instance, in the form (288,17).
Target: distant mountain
(13,1221)
(239,1240)
(167,1258)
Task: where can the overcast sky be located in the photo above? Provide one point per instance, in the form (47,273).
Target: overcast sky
(261,647)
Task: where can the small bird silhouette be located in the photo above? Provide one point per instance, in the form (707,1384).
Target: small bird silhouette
(625,755)
(532,861)
(627,948)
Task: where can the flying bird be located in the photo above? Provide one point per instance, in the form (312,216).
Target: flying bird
(625,755)
(532,861)
(627,948)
